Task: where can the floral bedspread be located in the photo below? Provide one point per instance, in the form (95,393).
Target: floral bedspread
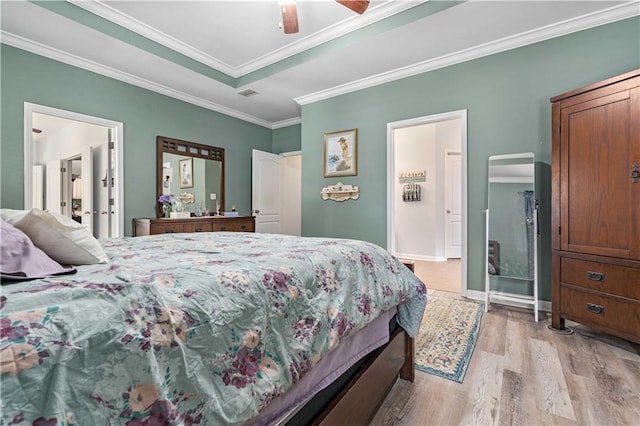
(189,328)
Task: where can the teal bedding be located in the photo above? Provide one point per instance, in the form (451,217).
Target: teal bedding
(189,329)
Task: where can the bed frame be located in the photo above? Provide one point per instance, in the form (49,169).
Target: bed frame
(355,397)
(361,398)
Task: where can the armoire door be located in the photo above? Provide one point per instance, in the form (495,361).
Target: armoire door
(600,199)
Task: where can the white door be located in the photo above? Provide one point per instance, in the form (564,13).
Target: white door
(453,204)
(293,196)
(267,191)
(87,188)
(53,186)
(38,186)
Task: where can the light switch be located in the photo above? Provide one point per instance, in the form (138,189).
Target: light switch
(212,196)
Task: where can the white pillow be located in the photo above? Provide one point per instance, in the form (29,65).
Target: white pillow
(12,216)
(63,239)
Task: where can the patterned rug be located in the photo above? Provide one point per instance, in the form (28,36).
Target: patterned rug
(447,337)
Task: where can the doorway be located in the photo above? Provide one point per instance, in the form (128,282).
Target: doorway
(427,156)
(91,191)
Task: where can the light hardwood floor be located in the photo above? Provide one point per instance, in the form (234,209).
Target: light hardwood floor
(521,373)
(445,276)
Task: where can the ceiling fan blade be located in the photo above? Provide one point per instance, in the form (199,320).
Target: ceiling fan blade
(289,17)
(358,6)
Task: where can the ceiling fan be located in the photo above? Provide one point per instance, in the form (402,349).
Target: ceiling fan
(290,12)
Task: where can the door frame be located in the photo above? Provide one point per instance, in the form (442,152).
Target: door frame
(118,167)
(392,173)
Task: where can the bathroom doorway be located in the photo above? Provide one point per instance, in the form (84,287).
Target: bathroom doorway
(426,209)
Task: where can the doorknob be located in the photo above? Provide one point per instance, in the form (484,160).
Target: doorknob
(256,211)
(448,211)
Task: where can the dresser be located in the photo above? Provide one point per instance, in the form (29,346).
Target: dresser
(147,226)
(596,207)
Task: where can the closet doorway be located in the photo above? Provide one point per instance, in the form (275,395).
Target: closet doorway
(426,208)
(73,167)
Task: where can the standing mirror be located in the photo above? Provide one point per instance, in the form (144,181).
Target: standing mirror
(511,234)
(192,173)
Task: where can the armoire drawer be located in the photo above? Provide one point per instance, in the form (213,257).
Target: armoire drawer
(607,278)
(601,311)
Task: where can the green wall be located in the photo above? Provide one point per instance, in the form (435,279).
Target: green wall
(506,96)
(31,78)
(286,139)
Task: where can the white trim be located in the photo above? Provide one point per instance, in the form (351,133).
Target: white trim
(290,153)
(420,257)
(118,127)
(612,14)
(286,123)
(512,156)
(117,17)
(543,305)
(334,31)
(462,115)
(76,61)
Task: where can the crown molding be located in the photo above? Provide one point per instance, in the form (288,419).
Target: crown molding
(327,34)
(115,16)
(76,61)
(286,123)
(612,14)
(339,29)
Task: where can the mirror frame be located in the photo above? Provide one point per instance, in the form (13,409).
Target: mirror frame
(187,149)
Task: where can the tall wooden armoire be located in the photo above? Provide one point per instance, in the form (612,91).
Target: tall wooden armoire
(596,207)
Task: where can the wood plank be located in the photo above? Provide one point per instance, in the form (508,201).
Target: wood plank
(504,389)
(551,389)
(483,405)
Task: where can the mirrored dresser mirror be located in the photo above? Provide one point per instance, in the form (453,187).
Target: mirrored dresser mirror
(511,231)
(193,174)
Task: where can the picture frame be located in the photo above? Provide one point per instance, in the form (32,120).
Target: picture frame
(186,173)
(341,153)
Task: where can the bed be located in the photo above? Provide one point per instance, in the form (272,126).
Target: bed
(210,328)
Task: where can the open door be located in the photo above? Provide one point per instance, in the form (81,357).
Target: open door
(53,186)
(267,191)
(87,188)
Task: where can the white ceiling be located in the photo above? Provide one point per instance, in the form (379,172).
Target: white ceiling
(205,52)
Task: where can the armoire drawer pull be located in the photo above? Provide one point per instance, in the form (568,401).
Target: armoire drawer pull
(198,230)
(169,231)
(595,276)
(595,309)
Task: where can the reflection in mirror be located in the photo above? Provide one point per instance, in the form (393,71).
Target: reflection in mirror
(512,229)
(192,173)
(511,209)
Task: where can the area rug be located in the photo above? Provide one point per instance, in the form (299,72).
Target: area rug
(447,337)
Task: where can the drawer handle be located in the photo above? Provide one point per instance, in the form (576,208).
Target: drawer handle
(169,231)
(223,228)
(595,309)
(198,230)
(243,226)
(595,276)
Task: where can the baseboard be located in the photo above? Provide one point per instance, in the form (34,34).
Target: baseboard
(545,305)
(421,257)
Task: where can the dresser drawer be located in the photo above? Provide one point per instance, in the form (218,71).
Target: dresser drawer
(166,228)
(601,311)
(197,227)
(234,225)
(611,279)
(241,225)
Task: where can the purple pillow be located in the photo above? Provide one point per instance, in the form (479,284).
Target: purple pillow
(21,260)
